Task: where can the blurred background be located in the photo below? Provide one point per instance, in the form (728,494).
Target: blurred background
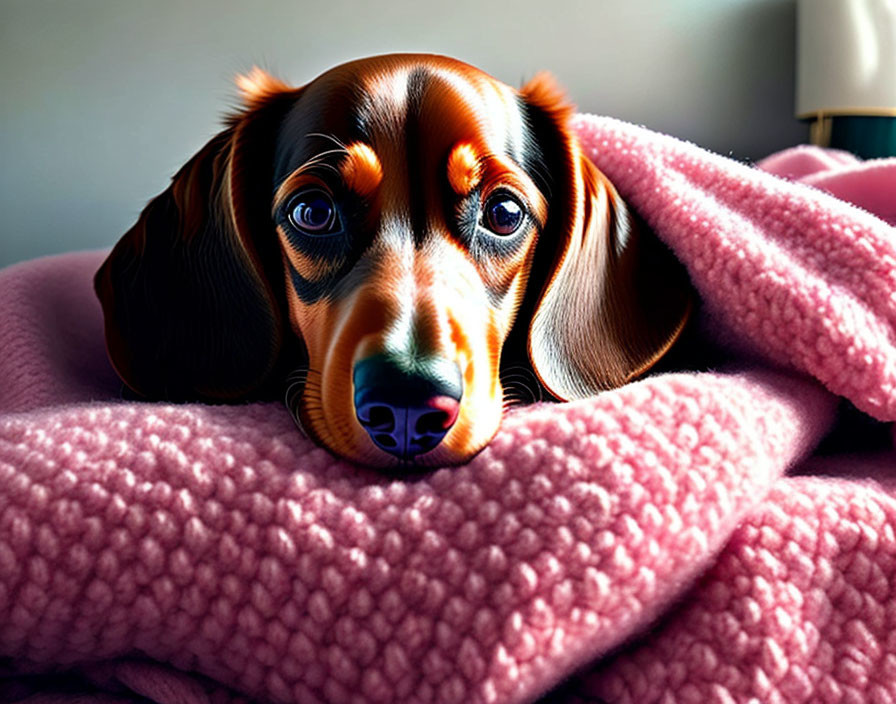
(103,100)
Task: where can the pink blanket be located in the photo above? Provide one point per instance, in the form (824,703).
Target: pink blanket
(640,546)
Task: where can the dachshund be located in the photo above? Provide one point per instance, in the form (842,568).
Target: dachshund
(390,244)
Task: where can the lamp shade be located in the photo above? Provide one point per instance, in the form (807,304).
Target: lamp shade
(846,58)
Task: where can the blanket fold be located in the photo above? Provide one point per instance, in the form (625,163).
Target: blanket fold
(646,538)
(805,277)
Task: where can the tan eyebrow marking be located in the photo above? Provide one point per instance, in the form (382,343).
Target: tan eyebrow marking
(464,168)
(358,167)
(361,169)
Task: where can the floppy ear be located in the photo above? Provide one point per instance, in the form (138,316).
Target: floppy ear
(611,298)
(189,296)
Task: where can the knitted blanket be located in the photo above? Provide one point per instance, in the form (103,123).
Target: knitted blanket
(643,545)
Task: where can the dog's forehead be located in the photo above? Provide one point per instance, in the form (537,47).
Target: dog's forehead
(433,102)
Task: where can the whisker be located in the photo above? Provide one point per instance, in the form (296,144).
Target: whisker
(520,387)
(297,375)
(294,413)
(318,161)
(339,143)
(321,155)
(296,382)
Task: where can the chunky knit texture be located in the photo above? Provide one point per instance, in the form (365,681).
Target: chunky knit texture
(211,554)
(798,608)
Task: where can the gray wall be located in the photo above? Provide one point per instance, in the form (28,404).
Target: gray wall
(102,100)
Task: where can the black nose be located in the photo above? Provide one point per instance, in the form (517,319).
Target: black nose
(406,407)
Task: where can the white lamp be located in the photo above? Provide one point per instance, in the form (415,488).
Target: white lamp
(846,66)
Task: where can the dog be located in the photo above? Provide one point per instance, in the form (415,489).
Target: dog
(390,245)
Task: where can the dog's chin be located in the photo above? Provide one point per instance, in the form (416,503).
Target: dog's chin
(369,455)
(354,445)
(429,461)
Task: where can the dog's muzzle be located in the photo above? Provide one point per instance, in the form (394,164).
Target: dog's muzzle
(406,406)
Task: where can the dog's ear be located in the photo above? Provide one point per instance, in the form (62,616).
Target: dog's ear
(189,294)
(608,298)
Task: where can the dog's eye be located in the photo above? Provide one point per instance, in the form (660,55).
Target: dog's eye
(313,212)
(503,214)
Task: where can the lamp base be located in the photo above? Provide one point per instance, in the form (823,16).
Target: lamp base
(866,136)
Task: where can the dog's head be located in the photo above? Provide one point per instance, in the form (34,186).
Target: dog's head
(384,241)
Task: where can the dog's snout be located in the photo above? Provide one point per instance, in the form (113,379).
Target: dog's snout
(406,406)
